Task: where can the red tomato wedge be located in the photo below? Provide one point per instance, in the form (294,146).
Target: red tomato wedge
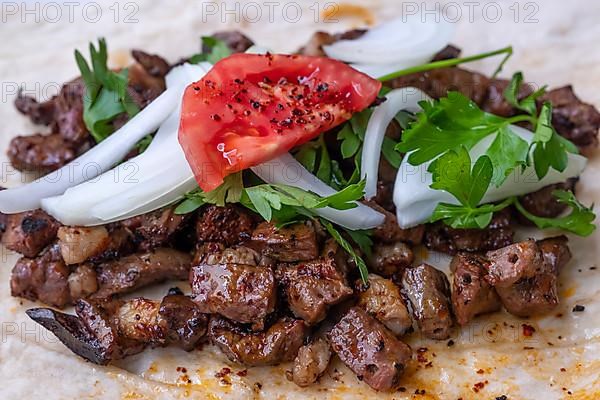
(250,108)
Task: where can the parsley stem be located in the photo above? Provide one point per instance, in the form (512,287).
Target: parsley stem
(522,118)
(508,51)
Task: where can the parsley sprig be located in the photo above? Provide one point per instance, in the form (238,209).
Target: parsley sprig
(106,95)
(217,50)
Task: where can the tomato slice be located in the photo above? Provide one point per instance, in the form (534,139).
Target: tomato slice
(250,108)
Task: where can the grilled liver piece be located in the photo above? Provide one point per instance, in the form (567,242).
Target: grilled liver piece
(277,344)
(29,232)
(297,242)
(138,270)
(471,293)
(381,298)
(390,259)
(311,362)
(228,225)
(428,291)
(369,349)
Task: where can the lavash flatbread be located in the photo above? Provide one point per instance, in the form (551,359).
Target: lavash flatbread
(489,358)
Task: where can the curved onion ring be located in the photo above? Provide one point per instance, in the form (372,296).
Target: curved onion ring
(397,100)
(286,170)
(415,201)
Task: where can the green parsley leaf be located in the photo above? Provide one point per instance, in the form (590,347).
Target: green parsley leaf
(579,221)
(511,94)
(193,201)
(229,191)
(506,152)
(452,173)
(344,244)
(388,149)
(351,143)
(444,124)
(462,217)
(218,51)
(106,94)
(144,143)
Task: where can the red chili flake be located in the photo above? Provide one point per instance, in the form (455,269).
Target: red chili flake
(479,385)
(196,88)
(480,371)
(420,391)
(181,369)
(243,372)
(563,370)
(429,364)
(223,372)
(528,330)
(450,343)
(528,348)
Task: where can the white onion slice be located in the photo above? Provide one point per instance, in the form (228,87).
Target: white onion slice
(106,154)
(400,43)
(149,181)
(286,170)
(415,201)
(396,101)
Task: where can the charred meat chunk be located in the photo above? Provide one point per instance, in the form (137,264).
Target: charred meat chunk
(68,112)
(311,362)
(556,252)
(83,282)
(228,225)
(185,324)
(153,64)
(311,287)
(297,242)
(542,204)
(235,40)
(39,113)
(428,291)
(575,120)
(277,344)
(389,259)
(40,153)
(137,319)
(156,228)
(471,293)
(524,280)
(512,263)
(30,232)
(120,244)
(77,244)
(245,293)
(390,231)
(44,278)
(138,270)
(497,234)
(381,298)
(371,351)
(314,46)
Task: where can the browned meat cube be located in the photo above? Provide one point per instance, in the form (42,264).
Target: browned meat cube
(235,40)
(524,280)
(77,244)
(184,323)
(575,120)
(382,299)
(499,233)
(390,231)
(29,232)
(138,270)
(44,278)
(556,252)
(543,204)
(137,319)
(297,242)
(156,228)
(228,225)
(515,262)
(312,286)
(245,293)
(152,63)
(273,346)
(428,291)
(471,293)
(311,362)
(83,282)
(40,153)
(390,259)
(371,351)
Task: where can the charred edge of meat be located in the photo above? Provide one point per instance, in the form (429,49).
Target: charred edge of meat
(71,331)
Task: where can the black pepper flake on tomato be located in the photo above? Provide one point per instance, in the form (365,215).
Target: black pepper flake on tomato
(255,104)
(578,308)
(215,117)
(322,87)
(286,122)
